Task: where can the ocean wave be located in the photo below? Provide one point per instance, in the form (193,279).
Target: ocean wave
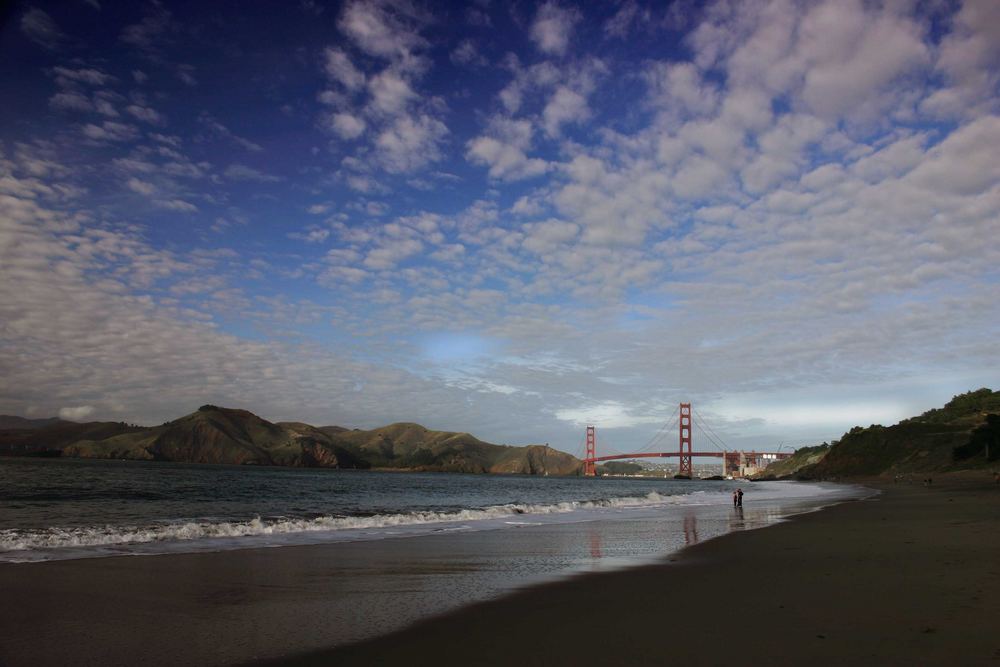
(13,540)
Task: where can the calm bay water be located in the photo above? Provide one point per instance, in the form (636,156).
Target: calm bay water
(57,509)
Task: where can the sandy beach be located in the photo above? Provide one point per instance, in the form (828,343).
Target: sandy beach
(911,577)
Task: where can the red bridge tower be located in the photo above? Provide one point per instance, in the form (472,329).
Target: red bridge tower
(684,424)
(589,466)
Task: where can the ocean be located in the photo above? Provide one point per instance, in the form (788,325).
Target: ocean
(295,560)
(71,508)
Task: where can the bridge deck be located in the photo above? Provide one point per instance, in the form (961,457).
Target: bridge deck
(718,455)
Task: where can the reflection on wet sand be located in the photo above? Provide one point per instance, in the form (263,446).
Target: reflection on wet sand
(755,518)
(690,529)
(736,520)
(595,544)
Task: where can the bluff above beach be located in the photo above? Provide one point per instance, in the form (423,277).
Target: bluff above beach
(964,434)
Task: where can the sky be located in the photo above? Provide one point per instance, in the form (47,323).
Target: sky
(507,218)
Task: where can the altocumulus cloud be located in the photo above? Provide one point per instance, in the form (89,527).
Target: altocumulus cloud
(770,209)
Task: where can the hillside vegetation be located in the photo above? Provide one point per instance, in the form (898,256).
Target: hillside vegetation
(965,433)
(224,435)
(804,457)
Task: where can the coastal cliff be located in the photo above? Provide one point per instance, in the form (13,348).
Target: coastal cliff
(803,458)
(224,435)
(964,434)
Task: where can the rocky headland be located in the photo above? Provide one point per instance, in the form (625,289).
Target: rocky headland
(214,434)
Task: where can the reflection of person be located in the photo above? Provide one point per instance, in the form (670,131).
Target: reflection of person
(739,497)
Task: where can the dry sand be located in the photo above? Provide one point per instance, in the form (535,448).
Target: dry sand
(910,578)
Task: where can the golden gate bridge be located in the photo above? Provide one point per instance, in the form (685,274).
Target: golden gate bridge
(733,461)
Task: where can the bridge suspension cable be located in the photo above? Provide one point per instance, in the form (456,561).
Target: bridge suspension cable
(709,437)
(581,447)
(719,437)
(655,440)
(707,431)
(608,450)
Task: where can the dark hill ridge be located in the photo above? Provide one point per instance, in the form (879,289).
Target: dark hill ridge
(224,435)
(11,423)
(965,433)
(57,435)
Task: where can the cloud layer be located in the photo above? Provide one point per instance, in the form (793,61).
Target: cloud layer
(510,222)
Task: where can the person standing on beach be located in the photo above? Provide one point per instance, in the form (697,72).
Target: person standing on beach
(739,497)
(735,499)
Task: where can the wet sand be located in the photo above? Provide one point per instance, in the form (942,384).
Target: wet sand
(220,608)
(910,578)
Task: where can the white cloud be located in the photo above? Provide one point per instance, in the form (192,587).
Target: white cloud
(146,114)
(110,131)
(504,150)
(609,415)
(141,187)
(679,89)
(381,29)
(88,75)
(410,143)
(178,205)
(71,101)
(851,57)
(314,235)
(340,68)
(467,54)
(565,106)
(76,413)
(627,15)
(241,172)
(148,33)
(402,127)
(969,57)
(390,93)
(186,74)
(548,236)
(218,129)
(552,28)
(506,161)
(964,163)
(616,207)
(390,253)
(39,27)
(779,202)
(104,106)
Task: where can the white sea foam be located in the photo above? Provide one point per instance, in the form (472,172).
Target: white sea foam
(93,536)
(200,535)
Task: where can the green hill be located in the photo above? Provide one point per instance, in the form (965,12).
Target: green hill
(411,446)
(216,435)
(804,457)
(965,433)
(224,435)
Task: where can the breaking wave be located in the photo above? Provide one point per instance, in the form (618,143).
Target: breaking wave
(13,540)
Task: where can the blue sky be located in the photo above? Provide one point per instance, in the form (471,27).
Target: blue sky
(507,219)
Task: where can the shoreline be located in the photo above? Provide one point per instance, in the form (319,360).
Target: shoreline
(910,576)
(812,577)
(228,607)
